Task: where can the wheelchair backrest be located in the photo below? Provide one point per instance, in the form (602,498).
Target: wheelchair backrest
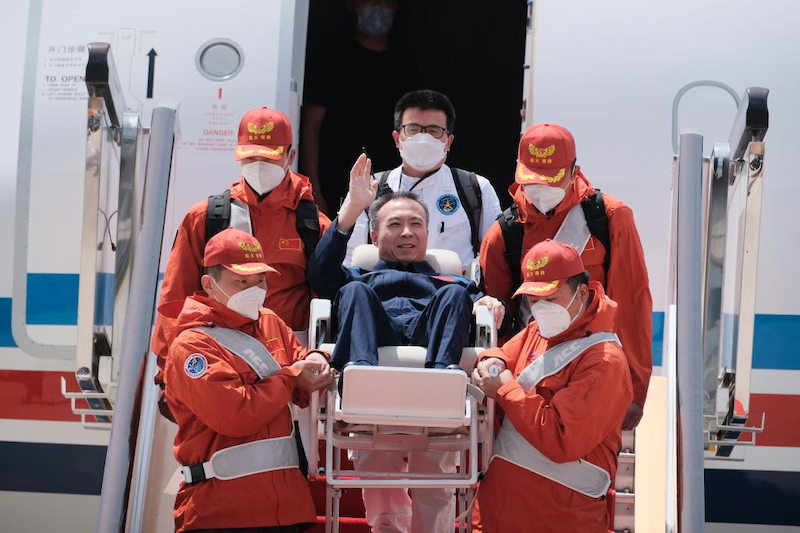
(442,261)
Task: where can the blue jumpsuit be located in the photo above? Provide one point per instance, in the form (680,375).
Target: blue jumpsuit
(391,305)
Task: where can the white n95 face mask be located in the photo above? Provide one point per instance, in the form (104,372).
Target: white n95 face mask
(544,197)
(263,176)
(422,152)
(552,318)
(246,302)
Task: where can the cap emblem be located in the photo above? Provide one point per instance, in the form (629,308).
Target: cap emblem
(541,152)
(247,247)
(535,267)
(258,130)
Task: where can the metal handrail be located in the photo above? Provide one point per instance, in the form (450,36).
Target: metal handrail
(138,324)
(683,90)
(691,505)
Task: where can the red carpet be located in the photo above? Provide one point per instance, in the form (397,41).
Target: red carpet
(351,506)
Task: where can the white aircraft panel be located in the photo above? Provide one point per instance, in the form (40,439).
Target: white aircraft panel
(609,71)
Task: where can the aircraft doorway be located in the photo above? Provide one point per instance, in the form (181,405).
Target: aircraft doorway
(472,51)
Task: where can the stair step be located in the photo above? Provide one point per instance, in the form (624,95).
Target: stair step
(626,469)
(628,441)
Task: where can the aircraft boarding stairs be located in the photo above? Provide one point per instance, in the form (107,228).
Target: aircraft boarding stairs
(708,366)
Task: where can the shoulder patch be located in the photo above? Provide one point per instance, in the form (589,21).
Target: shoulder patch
(274,345)
(196,365)
(447,204)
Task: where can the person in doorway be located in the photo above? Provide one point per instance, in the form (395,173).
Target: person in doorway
(348,97)
(554,200)
(232,369)
(564,385)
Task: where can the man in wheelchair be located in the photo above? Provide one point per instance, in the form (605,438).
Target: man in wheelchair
(400,301)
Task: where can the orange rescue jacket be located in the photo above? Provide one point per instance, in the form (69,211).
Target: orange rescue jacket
(274,220)
(574,414)
(226,406)
(626,281)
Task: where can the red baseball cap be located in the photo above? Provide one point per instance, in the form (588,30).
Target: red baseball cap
(546,266)
(236,250)
(264,132)
(546,152)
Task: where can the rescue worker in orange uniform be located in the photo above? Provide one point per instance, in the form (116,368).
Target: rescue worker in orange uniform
(272,194)
(548,185)
(229,395)
(564,385)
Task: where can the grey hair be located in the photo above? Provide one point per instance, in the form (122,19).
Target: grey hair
(386,198)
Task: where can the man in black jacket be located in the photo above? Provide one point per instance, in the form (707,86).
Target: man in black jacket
(402,300)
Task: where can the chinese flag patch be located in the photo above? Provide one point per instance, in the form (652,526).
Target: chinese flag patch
(274,346)
(290,244)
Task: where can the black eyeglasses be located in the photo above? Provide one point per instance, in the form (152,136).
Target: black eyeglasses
(412,129)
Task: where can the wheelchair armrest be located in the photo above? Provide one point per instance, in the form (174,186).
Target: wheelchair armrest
(319,327)
(473,271)
(485,331)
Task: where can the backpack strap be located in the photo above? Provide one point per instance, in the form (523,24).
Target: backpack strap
(383,185)
(512,237)
(307,224)
(469,191)
(218,214)
(597,221)
(383,189)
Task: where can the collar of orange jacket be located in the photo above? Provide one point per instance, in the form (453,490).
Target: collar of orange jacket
(576,191)
(287,194)
(197,310)
(599,316)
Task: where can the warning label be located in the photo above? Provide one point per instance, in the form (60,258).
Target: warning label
(217,133)
(62,75)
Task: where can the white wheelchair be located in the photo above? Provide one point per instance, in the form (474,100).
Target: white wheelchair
(402,406)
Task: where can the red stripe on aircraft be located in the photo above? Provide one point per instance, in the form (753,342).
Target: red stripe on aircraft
(35,395)
(782,422)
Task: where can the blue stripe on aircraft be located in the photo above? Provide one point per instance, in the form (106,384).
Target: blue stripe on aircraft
(658,337)
(53,301)
(6,339)
(752,497)
(54,468)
